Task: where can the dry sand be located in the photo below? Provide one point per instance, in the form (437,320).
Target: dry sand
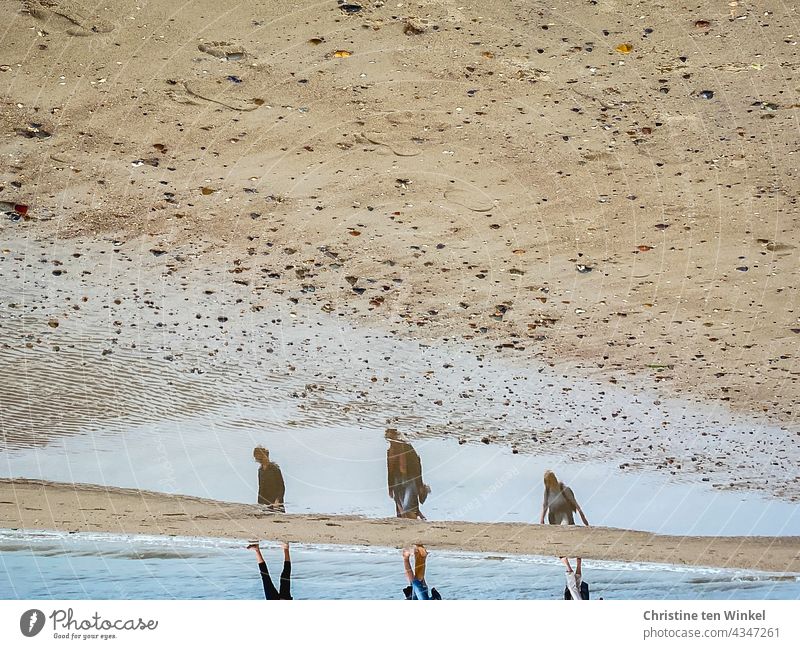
(32,505)
(502,176)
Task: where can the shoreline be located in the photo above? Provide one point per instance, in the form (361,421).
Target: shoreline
(42,505)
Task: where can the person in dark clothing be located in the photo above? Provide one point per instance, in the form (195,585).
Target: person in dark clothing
(404,469)
(271,489)
(286,574)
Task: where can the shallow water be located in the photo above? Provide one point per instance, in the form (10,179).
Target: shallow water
(94,566)
(344,471)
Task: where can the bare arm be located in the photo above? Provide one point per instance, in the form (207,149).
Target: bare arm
(582,515)
(281,489)
(571,496)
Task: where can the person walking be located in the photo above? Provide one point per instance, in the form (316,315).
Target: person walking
(283,592)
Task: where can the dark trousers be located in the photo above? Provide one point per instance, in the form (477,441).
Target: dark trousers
(269,589)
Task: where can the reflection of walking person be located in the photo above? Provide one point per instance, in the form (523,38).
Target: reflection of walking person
(559,505)
(417,588)
(404,469)
(271,489)
(286,574)
(559,502)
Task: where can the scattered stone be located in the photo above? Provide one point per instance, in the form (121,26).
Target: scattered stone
(413,27)
(34,131)
(223,50)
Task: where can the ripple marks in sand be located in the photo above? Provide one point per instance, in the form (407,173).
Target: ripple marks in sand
(45,394)
(68,16)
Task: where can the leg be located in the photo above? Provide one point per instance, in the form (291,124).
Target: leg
(578,570)
(565,561)
(574,587)
(407,565)
(257,550)
(286,575)
(269,589)
(418,585)
(420,557)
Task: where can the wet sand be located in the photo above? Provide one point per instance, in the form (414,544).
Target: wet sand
(580,183)
(34,505)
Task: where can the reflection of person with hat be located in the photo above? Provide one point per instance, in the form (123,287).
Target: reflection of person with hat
(271,489)
(404,468)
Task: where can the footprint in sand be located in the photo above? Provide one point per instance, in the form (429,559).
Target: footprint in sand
(404,133)
(235,96)
(398,146)
(472,199)
(223,50)
(68,16)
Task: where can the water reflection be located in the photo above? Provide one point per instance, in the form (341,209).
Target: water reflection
(337,470)
(271,488)
(404,469)
(559,502)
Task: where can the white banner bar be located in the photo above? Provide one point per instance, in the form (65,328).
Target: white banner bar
(356,624)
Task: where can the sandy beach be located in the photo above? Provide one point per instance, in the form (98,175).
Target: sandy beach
(37,505)
(568,231)
(443,169)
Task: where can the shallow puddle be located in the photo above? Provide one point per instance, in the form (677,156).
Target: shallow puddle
(94,566)
(341,470)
